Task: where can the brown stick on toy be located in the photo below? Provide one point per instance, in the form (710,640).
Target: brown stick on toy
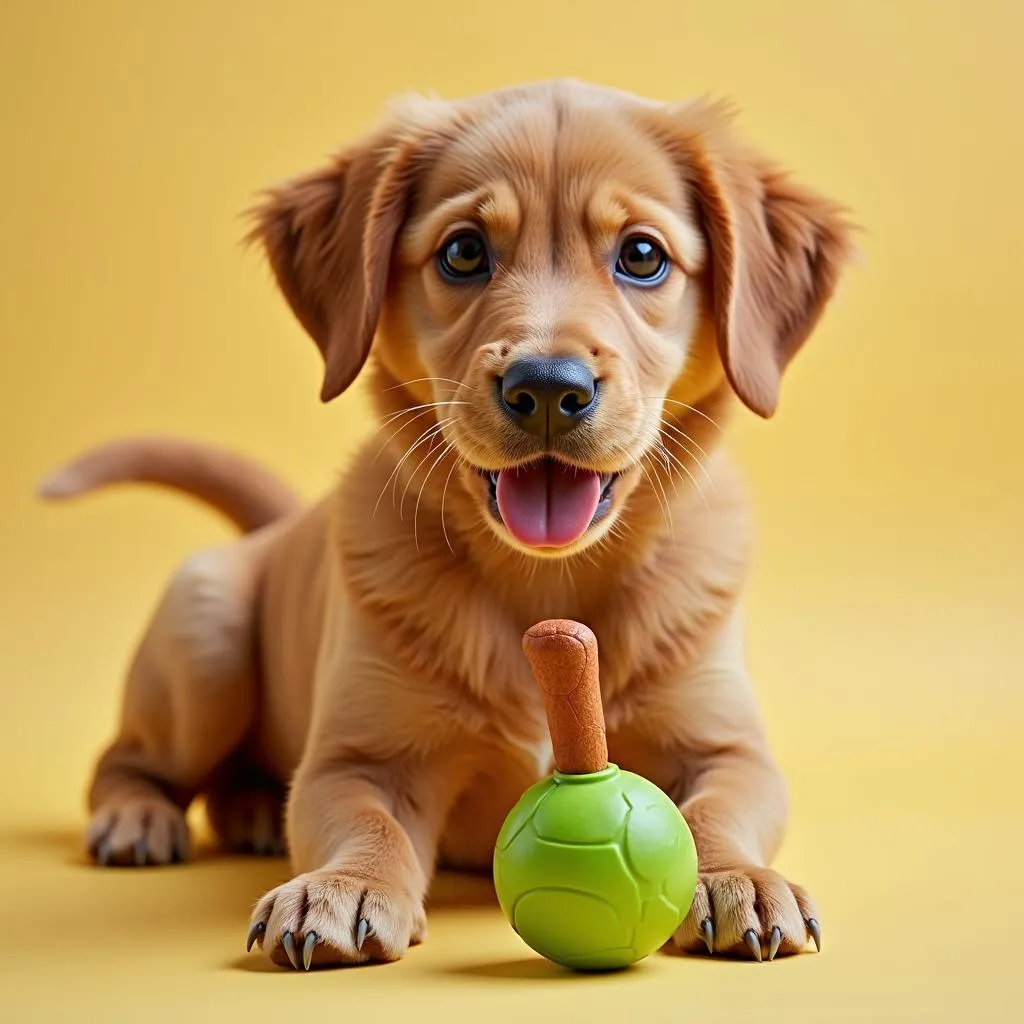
(563,656)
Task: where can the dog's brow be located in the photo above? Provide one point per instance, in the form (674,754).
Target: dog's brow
(501,212)
(494,207)
(614,207)
(423,233)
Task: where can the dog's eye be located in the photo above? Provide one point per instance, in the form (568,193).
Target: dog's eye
(464,257)
(642,261)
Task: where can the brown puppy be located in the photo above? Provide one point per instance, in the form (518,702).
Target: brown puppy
(567,286)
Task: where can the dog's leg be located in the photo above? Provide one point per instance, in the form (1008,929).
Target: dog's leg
(189,700)
(382,767)
(734,799)
(246,809)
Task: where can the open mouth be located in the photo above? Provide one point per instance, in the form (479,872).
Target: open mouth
(548,503)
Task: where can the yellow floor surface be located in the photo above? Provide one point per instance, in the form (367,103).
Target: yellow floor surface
(908,941)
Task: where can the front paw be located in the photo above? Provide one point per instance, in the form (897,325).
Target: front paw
(330,917)
(749,912)
(138,831)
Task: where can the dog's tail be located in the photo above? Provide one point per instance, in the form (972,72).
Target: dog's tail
(249,495)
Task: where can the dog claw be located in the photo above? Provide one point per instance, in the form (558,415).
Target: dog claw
(288,941)
(707,931)
(753,943)
(361,932)
(103,853)
(774,942)
(254,933)
(139,849)
(307,950)
(815,929)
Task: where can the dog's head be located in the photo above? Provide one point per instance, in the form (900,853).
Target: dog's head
(552,274)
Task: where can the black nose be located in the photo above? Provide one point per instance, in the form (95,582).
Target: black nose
(548,396)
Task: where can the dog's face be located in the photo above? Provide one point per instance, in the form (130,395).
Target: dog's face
(546,268)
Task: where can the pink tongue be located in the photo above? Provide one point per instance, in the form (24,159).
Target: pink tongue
(547,504)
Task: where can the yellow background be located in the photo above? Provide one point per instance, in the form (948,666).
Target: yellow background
(886,609)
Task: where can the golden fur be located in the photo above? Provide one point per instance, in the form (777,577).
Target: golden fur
(364,654)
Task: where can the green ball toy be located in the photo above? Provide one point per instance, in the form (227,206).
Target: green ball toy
(595,867)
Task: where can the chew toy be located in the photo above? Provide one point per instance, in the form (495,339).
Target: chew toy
(594,867)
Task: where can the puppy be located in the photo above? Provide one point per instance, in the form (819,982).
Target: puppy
(562,291)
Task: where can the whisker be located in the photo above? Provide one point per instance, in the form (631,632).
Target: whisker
(668,504)
(407,423)
(620,529)
(616,530)
(686,437)
(419,497)
(685,469)
(412,476)
(666,462)
(391,417)
(405,412)
(693,479)
(394,473)
(424,380)
(674,401)
(444,529)
(429,439)
(664,511)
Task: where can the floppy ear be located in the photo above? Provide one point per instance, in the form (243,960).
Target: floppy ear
(329,236)
(777,251)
